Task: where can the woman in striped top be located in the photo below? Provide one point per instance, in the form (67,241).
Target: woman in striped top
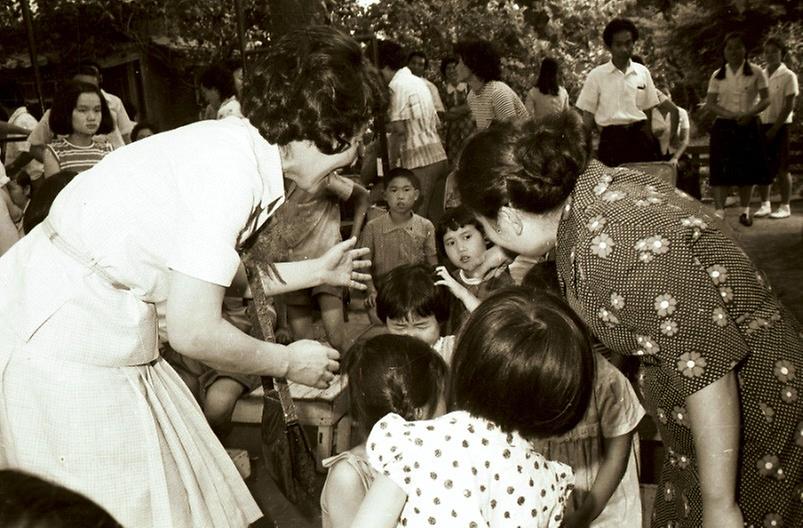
(79,113)
(489,99)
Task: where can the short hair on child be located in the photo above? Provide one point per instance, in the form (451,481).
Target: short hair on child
(218,77)
(392,373)
(139,127)
(410,290)
(64,103)
(400,172)
(452,220)
(523,360)
(27,501)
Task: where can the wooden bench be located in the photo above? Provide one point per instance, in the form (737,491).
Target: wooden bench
(326,410)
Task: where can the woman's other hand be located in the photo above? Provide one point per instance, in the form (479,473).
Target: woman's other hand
(338,265)
(311,363)
(494,262)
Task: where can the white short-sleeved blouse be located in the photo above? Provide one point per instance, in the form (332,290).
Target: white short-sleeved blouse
(181,200)
(461,470)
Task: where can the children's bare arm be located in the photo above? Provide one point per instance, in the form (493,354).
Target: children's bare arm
(343,494)
(715,417)
(469,300)
(51,164)
(611,471)
(382,505)
(362,201)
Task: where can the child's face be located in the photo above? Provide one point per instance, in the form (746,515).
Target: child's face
(464,247)
(401,195)
(86,115)
(424,328)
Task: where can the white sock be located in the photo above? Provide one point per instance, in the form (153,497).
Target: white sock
(746,211)
(766,204)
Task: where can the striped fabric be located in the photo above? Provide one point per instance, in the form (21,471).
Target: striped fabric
(495,101)
(76,158)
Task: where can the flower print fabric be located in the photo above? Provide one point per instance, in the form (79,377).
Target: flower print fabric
(459,470)
(690,304)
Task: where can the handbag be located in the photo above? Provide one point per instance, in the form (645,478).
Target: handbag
(286,451)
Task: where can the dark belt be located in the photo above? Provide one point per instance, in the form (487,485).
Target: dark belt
(637,124)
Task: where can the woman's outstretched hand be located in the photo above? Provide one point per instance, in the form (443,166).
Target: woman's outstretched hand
(338,265)
(311,363)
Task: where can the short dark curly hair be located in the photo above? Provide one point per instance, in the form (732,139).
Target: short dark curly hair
(481,57)
(314,84)
(390,54)
(615,26)
(220,78)
(60,119)
(531,165)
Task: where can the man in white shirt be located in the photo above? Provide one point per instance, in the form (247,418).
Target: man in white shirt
(775,120)
(121,135)
(618,97)
(413,142)
(418,63)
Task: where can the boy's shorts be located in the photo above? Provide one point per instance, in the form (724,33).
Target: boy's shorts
(305,297)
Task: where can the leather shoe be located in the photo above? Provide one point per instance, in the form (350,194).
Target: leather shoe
(745,220)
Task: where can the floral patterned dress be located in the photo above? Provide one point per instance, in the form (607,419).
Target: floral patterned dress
(654,277)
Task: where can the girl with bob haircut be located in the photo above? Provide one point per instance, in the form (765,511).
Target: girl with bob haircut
(547,96)
(387,374)
(154,232)
(522,370)
(79,113)
(653,277)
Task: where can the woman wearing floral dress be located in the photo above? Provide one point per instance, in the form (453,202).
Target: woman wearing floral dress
(654,277)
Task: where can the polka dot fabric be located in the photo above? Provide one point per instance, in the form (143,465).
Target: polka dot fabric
(653,276)
(462,471)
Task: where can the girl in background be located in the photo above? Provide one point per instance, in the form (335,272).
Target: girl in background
(547,96)
(79,112)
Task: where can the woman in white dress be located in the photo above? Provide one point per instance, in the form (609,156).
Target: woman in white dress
(85,399)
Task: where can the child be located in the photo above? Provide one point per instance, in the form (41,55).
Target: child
(400,236)
(409,303)
(522,370)
(315,221)
(600,448)
(461,242)
(142,130)
(79,112)
(387,374)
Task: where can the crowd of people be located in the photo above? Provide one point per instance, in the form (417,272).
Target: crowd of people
(484,396)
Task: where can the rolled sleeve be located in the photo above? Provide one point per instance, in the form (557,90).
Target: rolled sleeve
(212,259)
(588,100)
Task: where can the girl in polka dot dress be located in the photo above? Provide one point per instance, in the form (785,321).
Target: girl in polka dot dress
(387,374)
(522,369)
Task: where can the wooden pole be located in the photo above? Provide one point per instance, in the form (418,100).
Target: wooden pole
(26,14)
(238,6)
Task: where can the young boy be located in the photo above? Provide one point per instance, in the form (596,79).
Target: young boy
(409,303)
(400,236)
(461,243)
(315,221)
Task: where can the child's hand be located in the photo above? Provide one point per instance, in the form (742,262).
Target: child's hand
(283,336)
(446,279)
(370,299)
